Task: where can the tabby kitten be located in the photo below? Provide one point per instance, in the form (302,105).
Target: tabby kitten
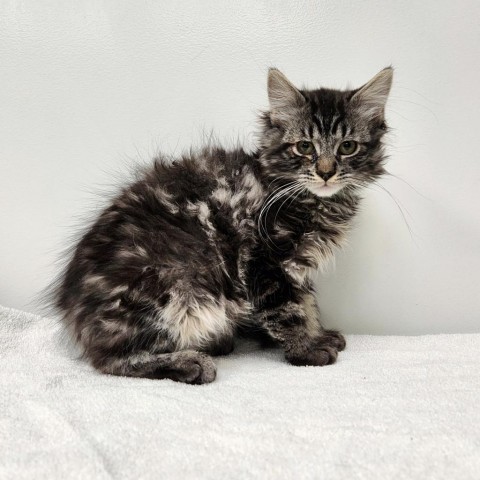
(221,241)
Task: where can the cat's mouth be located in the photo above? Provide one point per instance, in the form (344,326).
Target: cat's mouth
(324,190)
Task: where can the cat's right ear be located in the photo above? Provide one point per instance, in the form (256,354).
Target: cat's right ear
(285,99)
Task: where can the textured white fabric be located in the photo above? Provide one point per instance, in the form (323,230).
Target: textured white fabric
(391,408)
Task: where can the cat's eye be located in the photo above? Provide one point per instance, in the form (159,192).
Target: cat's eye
(348,147)
(305,148)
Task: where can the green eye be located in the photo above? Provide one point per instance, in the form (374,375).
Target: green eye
(305,148)
(348,147)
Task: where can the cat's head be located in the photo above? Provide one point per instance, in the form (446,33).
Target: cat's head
(324,140)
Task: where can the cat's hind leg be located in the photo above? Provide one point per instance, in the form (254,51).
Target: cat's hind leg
(124,346)
(172,343)
(188,366)
(156,329)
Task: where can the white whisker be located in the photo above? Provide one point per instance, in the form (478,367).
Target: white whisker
(276,195)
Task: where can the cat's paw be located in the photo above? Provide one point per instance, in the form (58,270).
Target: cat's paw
(193,367)
(317,354)
(334,339)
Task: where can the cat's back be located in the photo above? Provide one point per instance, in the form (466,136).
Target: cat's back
(213,187)
(197,177)
(196,211)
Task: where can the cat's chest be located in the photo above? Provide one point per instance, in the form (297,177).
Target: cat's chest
(325,231)
(314,252)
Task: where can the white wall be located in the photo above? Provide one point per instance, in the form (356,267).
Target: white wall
(87,86)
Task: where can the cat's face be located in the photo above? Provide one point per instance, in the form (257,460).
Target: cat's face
(324,140)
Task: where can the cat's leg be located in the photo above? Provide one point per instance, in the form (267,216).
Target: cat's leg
(290,315)
(151,336)
(123,347)
(308,305)
(188,366)
(162,324)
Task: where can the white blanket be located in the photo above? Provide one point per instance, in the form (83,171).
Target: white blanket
(391,408)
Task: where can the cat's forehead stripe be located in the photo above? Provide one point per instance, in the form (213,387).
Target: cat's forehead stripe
(317,120)
(335,124)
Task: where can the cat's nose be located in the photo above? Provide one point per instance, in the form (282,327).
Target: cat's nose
(327,175)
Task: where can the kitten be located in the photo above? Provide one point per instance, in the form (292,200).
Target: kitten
(223,241)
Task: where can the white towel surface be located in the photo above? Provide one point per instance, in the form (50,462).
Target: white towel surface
(391,408)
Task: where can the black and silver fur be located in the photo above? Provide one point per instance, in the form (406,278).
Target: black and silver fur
(219,241)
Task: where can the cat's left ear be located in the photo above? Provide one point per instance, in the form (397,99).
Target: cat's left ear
(285,99)
(372,97)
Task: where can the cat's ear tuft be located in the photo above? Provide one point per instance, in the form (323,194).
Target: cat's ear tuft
(282,95)
(372,97)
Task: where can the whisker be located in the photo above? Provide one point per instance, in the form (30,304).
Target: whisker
(406,183)
(401,209)
(274,197)
(290,195)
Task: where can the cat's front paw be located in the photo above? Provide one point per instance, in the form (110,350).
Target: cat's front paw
(317,354)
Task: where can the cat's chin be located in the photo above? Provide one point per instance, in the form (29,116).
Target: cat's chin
(324,190)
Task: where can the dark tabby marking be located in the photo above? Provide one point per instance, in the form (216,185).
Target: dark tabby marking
(222,241)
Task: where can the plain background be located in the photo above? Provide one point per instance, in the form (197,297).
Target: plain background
(88,87)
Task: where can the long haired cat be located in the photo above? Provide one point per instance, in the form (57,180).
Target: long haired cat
(221,241)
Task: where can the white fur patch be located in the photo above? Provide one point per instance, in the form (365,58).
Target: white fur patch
(319,251)
(203,212)
(297,272)
(94,280)
(325,190)
(253,192)
(221,195)
(192,324)
(166,199)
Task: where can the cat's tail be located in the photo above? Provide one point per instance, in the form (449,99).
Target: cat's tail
(188,366)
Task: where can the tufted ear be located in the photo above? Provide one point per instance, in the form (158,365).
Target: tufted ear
(372,97)
(283,96)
